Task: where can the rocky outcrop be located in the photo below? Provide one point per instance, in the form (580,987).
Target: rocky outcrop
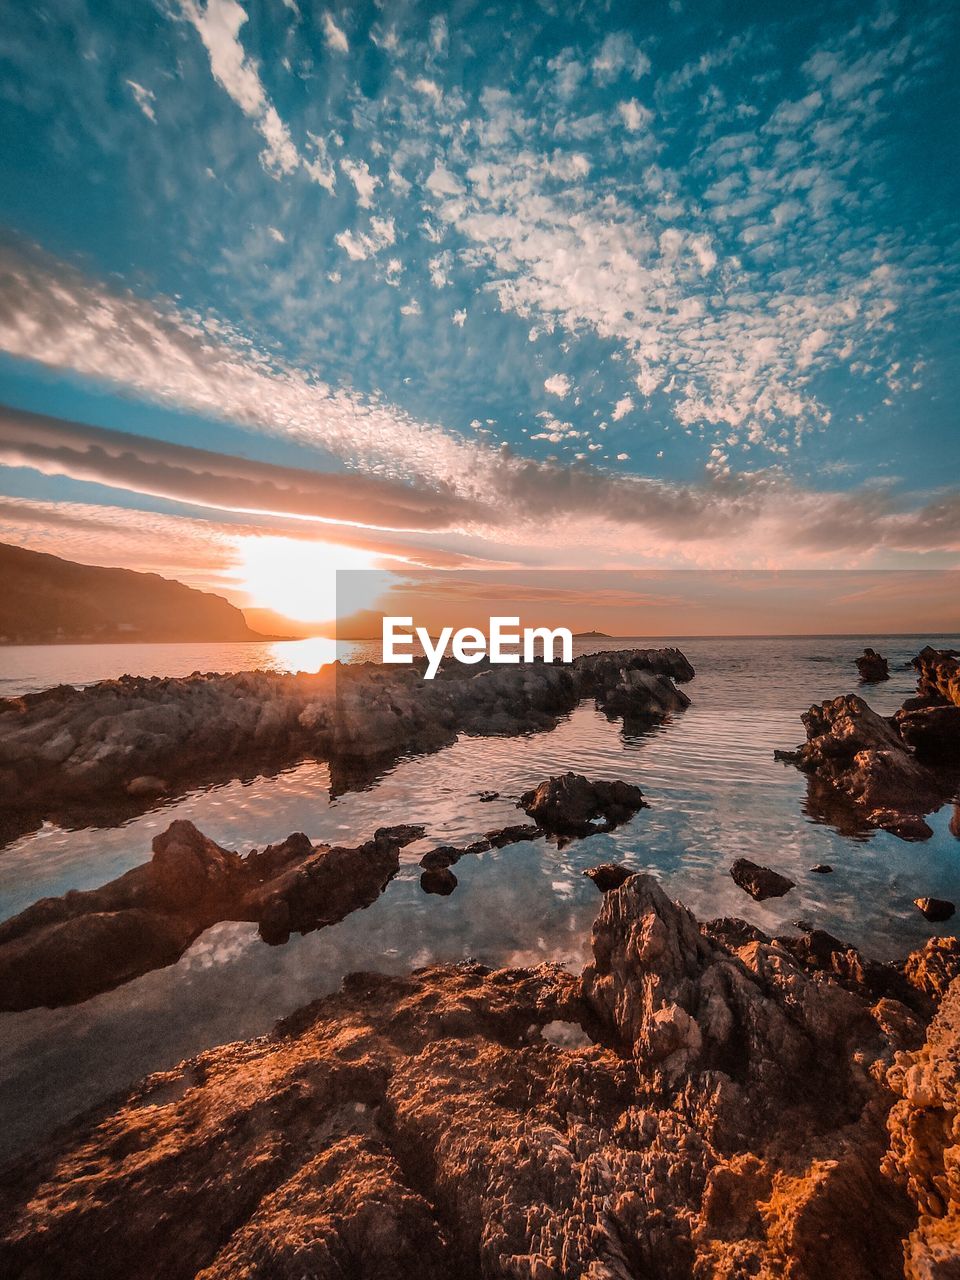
(572,805)
(63,950)
(690,1107)
(872,666)
(868,770)
(924,1151)
(760,882)
(91,746)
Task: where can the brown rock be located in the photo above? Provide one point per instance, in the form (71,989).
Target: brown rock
(760,882)
(872,667)
(572,805)
(727,1118)
(935,909)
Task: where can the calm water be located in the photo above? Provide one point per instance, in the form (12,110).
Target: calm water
(715,794)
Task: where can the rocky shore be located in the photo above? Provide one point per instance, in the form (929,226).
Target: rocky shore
(702,1101)
(886,771)
(124,742)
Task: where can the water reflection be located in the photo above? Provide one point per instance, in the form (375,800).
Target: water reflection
(715,793)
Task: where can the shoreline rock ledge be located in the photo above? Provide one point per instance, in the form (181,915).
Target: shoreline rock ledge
(886,772)
(719,1104)
(89,746)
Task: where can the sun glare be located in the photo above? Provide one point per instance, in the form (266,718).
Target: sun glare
(295,578)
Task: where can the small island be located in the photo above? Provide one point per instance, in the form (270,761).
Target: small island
(591,635)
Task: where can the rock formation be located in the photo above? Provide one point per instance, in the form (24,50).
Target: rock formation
(700,1103)
(572,805)
(886,772)
(760,882)
(873,667)
(63,950)
(82,747)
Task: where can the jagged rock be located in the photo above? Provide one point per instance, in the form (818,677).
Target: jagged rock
(486,796)
(822,869)
(62,950)
(856,756)
(934,967)
(608,875)
(935,909)
(924,1152)
(938,672)
(760,882)
(572,805)
(723,1113)
(73,747)
(441,881)
(872,666)
(502,836)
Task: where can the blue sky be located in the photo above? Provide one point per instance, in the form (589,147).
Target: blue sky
(656,285)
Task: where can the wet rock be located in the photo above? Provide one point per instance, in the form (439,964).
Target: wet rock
(76,747)
(487,796)
(689,1108)
(857,756)
(822,869)
(441,881)
(760,882)
(445,855)
(935,909)
(608,875)
(62,950)
(502,836)
(572,805)
(872,666)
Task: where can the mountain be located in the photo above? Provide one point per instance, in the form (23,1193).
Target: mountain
(591,635)
(46,600)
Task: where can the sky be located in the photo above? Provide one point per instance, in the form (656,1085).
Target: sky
(287,288)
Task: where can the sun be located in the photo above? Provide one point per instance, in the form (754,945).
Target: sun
(298,579)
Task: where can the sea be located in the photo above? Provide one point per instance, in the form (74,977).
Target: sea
(714,789)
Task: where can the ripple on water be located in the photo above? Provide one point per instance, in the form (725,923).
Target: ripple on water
(715,794)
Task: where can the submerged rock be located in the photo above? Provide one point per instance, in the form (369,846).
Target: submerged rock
(873,667)
(63,950)
(688,1107)
(760,882)
(822,869)
(572,805)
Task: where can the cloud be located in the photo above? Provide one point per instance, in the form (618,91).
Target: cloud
(334,35)
(358,245)
(622,408)
(218,25)
(200,477)
(635,115)
(145,98)
(503,506)
(558,384)
(358,171)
